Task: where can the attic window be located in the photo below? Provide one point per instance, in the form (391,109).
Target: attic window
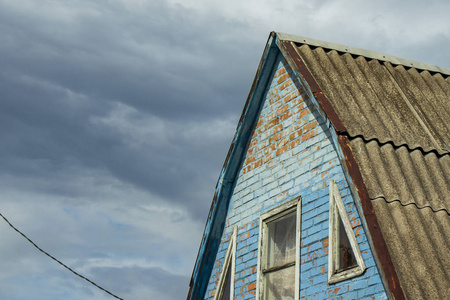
(225,288)
(344,257)
(279,256)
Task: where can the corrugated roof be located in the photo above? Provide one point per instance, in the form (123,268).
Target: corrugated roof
(395,115)
(419,245)
(411,197)
(398,174)
(363,52)
(378,100)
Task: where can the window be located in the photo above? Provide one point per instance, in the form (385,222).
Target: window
(344,257)
(225,288)
(279,252)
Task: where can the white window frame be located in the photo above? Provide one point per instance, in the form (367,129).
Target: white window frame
(229,262)
(276,213)
(337,210)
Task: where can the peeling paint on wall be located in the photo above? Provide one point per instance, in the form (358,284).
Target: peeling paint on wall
(289,155)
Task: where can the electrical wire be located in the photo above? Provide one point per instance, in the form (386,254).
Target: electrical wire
(59,262)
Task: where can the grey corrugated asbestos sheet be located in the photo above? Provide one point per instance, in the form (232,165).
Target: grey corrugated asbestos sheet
(382,101)
(398,123)
(411,198)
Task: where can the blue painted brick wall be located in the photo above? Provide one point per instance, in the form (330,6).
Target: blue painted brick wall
(289,155)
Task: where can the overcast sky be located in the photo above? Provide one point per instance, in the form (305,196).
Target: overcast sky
(116,117)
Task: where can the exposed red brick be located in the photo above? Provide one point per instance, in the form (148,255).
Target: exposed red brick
(296,101)
(250,159)
(292,144)
(282,142)
(286,115)
(304,113)
(325,245)
(245,236)
(285,85)
(270,117)
(283,78)
(298,108)
(257,163)
(246,169)
(252,286)
(250,151)
(274,137)
(280,72)
(259,123)
(262,128)
(355,223)
(277,128)
(275,98)
(308,135)
(268,149)
(291,96)
(281,150)
(272,123)
(309,126)
(264,144)
(296,134)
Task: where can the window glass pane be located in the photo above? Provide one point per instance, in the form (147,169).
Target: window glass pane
(227,285)
(281,241)
(280,284)
(347,258)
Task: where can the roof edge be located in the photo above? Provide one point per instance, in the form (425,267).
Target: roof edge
(351,169)
(216,218)
(380,249)
(363,52)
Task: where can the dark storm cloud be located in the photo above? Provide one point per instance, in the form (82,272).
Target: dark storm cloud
(60,73)
(157,62)
(116,118)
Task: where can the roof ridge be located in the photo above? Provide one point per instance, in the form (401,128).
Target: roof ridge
(363,52)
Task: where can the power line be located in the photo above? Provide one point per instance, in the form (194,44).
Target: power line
(59,262)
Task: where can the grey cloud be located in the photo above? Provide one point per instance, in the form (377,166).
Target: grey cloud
(109,108)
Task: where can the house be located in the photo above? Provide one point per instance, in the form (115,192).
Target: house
(336,184)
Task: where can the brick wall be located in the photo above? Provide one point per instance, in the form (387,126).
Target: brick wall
(289,155)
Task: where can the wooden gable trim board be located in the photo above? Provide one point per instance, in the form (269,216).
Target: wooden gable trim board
(224,187)
(376,239)
(229,263)
(218,211)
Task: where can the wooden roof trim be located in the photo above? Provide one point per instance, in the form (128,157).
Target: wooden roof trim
(352,169)
(378,241)
(290,51)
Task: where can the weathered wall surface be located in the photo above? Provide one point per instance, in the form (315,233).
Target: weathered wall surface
(289,155)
